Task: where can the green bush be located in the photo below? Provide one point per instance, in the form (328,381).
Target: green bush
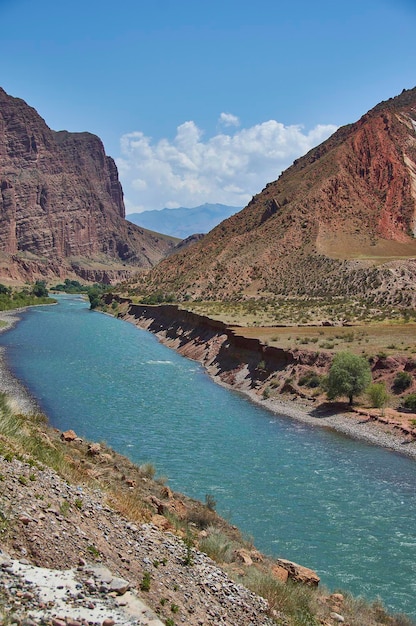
(217,545)
(310,379)
(402,381)
(377,394)
(348,376)
(39,289)
(410,402)
(145,584)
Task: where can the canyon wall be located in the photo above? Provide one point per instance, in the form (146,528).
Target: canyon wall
(61,204)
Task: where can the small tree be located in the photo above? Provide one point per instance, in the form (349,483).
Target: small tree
(378,395)
(348,376)
(410,402)
(39,289)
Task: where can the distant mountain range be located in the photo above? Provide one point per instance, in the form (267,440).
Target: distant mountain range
(340,222)
(183,222)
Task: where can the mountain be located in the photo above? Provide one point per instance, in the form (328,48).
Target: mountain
(61,204)
(183,222)
(339,222)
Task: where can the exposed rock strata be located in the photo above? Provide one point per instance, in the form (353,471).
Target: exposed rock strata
(61,204)
(339,222)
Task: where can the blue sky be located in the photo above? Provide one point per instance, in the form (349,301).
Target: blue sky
(205,100)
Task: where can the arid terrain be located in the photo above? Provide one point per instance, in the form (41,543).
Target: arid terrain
(338,223)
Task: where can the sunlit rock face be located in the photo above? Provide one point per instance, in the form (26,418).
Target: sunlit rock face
(61,201)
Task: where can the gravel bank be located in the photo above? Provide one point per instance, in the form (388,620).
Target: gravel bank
(351,424)
(9,384)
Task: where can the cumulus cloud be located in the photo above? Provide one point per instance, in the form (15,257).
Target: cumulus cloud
(228,168)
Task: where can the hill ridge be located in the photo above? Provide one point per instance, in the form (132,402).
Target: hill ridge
(339,221)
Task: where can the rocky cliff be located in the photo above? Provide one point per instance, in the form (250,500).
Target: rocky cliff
(61,204)
(340,221)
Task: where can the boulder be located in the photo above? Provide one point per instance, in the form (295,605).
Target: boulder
(94,449)
(69,435)
(299,573)
(280,573)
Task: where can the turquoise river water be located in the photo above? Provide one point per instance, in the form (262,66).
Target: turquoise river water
(337,505)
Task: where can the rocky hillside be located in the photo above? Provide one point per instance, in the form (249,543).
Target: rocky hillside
(86,537)
(339,221)
(61,205)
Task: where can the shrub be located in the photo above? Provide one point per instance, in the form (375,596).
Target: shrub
(210,501)
(217,546)
(145,584)
(266,393)
(148,470)
(410,402)
(310,379)
(189,544)
(378,395)
(402,381)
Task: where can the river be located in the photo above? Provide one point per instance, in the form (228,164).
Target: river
(342,507)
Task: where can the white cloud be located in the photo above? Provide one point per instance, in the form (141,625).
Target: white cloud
(228,168)
(228,119)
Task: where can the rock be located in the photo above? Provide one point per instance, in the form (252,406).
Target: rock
(243,556)
(161,522)
(119,586)
(166,493)
(94,449)
(157,504)
(280,573)
(336,598)
(299,573)
(26,519)
(68,435)
(337,617)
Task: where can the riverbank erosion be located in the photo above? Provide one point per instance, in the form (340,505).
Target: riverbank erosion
(272,376)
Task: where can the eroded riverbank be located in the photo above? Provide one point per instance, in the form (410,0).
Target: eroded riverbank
(233,361)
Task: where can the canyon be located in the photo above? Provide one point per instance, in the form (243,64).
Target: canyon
(62,211)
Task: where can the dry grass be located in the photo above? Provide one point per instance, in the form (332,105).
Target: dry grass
(391,338)
(299,324)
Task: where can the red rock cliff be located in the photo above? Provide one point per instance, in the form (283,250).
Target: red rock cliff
(61,201)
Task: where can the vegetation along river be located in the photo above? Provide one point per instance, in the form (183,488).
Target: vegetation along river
(339,506)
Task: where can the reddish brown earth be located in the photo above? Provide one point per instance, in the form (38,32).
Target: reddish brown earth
(61,204)
(339,221)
